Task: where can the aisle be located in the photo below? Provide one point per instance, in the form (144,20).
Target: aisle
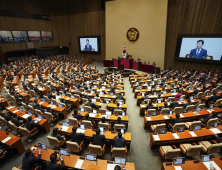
(141,154)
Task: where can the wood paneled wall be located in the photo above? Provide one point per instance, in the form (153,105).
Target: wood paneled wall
(69,19)
(191,17)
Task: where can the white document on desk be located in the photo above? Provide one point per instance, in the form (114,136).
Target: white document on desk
(209,111)
(156,137)
(149,118)
(165,117)
(80,130)
(40,88)
(25,116)
(207,164)
(92,115)
(15,111)
(215,130)
(192,133)
(79,163)
(192,100)
(41,103)
(181,115)
(65,128)
(111,166)
(6,139)
(143,106)
(10,107)
(178,167)
(175,135)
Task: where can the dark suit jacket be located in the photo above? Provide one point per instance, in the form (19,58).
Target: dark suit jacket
(207,118)
(54,166)
(98,140)
(149,107)
(119,142)
(119,97)
(174,104)
(28,162)
(202,54)
(58,136)
(77,137)
(92,105)
(88,120)
(117,108)
(175,120)
(88,49)
(213,98)
(30,125)
(16,122)
(187,104)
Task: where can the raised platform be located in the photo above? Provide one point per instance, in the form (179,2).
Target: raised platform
(111,70)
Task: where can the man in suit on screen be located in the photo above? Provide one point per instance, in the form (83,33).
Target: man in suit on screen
(88,47)
(199,52)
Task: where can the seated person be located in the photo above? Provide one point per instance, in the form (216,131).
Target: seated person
(29,162)
(144,97)
(6,115)
(176,120)
(90,104)
(64,102)
(39,107)
(212,98)
(117,108)
(164,107)
(56,134)
(218,138)
(104,105)
(16,121)
(139,85)
(201,101)
(119,121)
(117,167)
(50,95)
(30,125)
(24,86)
(187,104)
(87,118)
(52,165)
(103,120)
(174,104)
(98,139)
(76,137)
(76,115)
(149,106)
(212,115)
(3,151)
(119,141)
(33,104)
(51,111)
(119,97)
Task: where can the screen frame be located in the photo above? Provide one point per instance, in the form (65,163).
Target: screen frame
(90,52)
(178,47)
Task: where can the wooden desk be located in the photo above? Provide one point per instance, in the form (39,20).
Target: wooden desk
(185,137)
(70,161)
(3,101)
(22,93)
(70,100)
(14,142)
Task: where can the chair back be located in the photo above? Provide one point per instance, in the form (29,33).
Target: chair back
(46,98)
(15,168)
(95,149)
(77,96)
(4,121)
(178,125)
(214,148)
(84,100)
(119,152)
(202,105)
(72,146)
(87,123)
(25,131)
(53,141)
(199,95)
(118,126)
(194,150)
(38,112)
(24,106)
(164,111)
(73,122)
(105,125)
(218,103)
(210,121)
(13,126)
(116,112)
(31,109)
(68,94)
(190,108)
(194,124)
(178,109)
(48,116)
(149,112)
(159,126)
(102,111)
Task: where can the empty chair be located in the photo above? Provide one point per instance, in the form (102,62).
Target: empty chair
(24,106)
(77,96)
(190,125)
(4,121)
(190,150)
(14,127)
(199,95)
(218,103)
(31,109)
(50,117)
(211,147)
(202,106)
(206,92)
(55,142)
(151,112)
(102,111)
(116,112)
(177,125)
(210,121)
(46,98)
(73,122)
(25,132)
(87,123)
(155,128)
(96,149)
(88,109)
(105,125)
(118,126)
(118,152)
(84,100)
(169,152)
(178,109)
(68,94)
(74,147)
(164,111)
(190,108)
(38,112)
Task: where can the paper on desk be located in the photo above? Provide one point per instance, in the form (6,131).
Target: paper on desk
(174,93)
(25,116)
(142,105)
(65,128)
(207,164)
(149,118)
(166,117)
(111,166)
(89,94)
(156,137)
(92,115)
(178,167)
(215,130)
(192,100)
(6,139)
(106,95)
(40,88)
(181,115)
(192,133)
(10,107)
(209,110)
(80,130)
(41,103)
(15,111)
(175,135)
(79,163)
(67,98)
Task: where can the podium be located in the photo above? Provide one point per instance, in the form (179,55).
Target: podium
(128,63)
(137,65)
(115,62)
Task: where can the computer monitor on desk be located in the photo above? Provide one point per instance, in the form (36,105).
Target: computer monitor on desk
(42,146)
(206,158)
(91,157)
(120,161)
(162,131)
(64,123)
(197,127)
(198,109)
(64,152)
(179,161)
(214,125)
(180,129)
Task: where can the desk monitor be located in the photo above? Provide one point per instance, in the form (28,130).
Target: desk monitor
(149,87)
(154,93)
(101,93)
(206,158)
(95,111)
(102,129)
(184,110)
(122,114)
(153,113)
(120,161)
(146,102)
(63,94)
(198,109)
(162,131)
(92,91)
(170,112)
(108,113)
(181,99)
(174,91)
(82,109)
(64,152)
(60,105)
(0,128)
(40,117)
(82,127)
(140,87)
(111,94)
(51,102)
(179,161)
(37,98)
(180,129)
(91,157)
(107,101)
(42,146)
(120,102)
(143,94)
(197,127)
(189,88)
(44,100)
(21,109)
(64,123)
(55,92)
(164,92)
(29,112)
(166,85)
(214,125)
(121,130)
(103,87)
(159,101)
(72,96)
(76,89)
(211,106)
(191,97)
(93,100)
(158,87)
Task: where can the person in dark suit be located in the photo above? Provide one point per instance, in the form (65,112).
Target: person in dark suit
(30,125)
(87,118)
(98,139)
(149,106)
(6,115)
(212,98)
(117,108)
(164,107)
(56,134)
(119,97)
(29,162)
(50,95)
(25,86)
(77,137)
(52,165)
(117,167)
(201,101)
(88,47)
(90,104)
(177,120)
(187,104)
(25,101)
(76,115)
(16,121)
(33,104)
(211,116)
(199,52)
(174,104)
(119,141)
(119,121)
